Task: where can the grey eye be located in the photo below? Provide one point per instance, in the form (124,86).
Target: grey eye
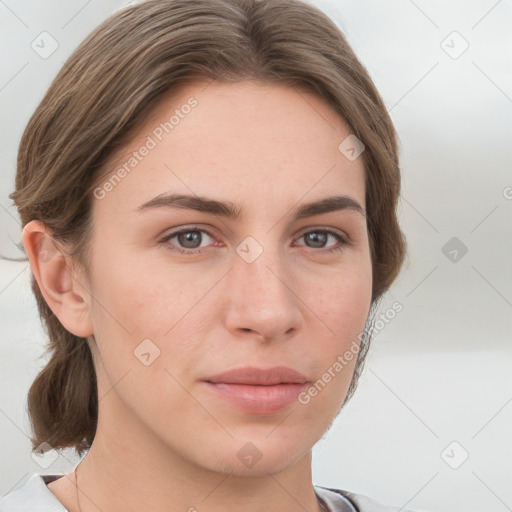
(190,239)
(317,238)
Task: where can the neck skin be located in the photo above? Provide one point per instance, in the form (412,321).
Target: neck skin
(118,474)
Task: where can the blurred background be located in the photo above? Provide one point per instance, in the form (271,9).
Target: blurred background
(429,426)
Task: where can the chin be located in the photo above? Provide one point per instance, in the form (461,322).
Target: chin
(256,459)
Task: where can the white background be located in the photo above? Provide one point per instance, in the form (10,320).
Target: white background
(440,370)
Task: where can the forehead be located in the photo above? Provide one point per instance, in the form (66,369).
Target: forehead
(240,142)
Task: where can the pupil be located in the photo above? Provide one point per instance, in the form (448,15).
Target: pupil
(190,236)
(317,237)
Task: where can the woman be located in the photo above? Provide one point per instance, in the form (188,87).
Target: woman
(208,194)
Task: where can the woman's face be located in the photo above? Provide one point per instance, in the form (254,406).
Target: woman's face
(248,282)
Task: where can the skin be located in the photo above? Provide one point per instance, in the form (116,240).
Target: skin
(165,442)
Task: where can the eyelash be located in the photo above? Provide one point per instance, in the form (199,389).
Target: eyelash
(190,252)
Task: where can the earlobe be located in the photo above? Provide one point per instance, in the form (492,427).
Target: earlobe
(58,280)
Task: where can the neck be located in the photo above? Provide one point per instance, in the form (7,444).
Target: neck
(120,474)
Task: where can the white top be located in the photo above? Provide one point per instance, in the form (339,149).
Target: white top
(34,496)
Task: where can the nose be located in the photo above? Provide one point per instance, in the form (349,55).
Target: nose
(262,300)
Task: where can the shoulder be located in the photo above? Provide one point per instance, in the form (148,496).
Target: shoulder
(339,500)
(33,496)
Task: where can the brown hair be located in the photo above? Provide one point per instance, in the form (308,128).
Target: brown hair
(107,88)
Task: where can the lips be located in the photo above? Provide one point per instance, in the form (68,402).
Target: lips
(258,391)
(259,377)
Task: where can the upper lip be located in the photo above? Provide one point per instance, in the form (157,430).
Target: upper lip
(258,376)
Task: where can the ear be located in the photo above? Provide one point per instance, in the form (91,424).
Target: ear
(58,278)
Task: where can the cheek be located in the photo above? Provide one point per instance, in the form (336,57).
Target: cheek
(139,310)
(135,299)
(342,301)
(342,304)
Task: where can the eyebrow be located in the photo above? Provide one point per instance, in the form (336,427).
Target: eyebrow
(234,211)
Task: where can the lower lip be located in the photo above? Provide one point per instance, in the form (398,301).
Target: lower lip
(258,399)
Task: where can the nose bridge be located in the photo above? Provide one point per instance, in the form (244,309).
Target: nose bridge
(260,290)
(264,275)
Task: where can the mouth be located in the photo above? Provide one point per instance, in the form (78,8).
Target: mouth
(258,391)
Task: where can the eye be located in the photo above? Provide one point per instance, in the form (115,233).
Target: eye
(318,239)
(188,239)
